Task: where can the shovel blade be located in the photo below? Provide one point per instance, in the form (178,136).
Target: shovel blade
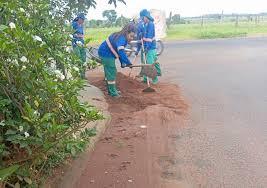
(149,90)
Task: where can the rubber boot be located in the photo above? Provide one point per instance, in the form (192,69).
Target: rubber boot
(112,91)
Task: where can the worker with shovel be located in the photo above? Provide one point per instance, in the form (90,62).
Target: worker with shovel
(111,49)
(149,43)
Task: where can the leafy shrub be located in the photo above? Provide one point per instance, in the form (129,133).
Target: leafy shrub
(40,113)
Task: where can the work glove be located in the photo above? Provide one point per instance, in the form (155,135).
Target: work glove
(129,65)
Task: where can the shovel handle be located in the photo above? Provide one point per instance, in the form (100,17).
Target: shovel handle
(142,65)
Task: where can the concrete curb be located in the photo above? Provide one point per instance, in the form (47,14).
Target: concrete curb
(73,170)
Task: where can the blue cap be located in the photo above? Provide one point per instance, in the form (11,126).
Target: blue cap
(146,13)
(81,16)
(142,12)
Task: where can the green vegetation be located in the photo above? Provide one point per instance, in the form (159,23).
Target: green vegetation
(215,30)
(98,35)
(42,120)
(192,31)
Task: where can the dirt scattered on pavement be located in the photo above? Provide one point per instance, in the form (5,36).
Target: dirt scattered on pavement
(137,147)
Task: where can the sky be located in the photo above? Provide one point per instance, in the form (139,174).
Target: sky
(183,7)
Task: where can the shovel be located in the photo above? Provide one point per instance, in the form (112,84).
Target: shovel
(148,70)
(132,69)
(148,89)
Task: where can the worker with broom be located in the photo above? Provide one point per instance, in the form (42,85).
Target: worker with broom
(111,49)
(149,43)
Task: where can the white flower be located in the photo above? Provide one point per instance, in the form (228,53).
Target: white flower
(12,25)
(43,43)
(26,134)
(8,60)
(37,38)
(79,43)
(68,49)
(53,66)
(50,59)
(67,22)
(20,128)
(2,123)
(21,10)
(76,69)
(57,72)
(23,67)
(62,77)
(69,75)
(60,105)
(59,75)
(74,136)
(71,36)
(28,15)
(23,59)
(15,62)
(36,113)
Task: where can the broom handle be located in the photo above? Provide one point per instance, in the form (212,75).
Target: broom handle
(147,79)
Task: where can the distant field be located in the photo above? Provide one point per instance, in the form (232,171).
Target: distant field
(193,31)
(97,35)
(215,30)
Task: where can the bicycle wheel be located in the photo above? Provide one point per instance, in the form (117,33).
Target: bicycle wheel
(160,47)
(92,53)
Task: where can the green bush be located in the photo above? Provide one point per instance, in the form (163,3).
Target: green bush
(40,114)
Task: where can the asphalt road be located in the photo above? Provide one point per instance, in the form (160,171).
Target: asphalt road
(224,142)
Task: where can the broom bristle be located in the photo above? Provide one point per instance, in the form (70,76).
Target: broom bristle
(149,89)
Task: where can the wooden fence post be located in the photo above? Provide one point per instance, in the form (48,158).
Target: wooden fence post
(236,20)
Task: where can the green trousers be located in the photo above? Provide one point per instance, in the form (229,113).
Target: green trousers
(110,71)
(81,53)
(151,57)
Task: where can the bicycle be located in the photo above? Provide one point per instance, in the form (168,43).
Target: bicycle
(132,47)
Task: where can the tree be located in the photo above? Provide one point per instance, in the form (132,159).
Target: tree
(94,23)
(68,9)
(176,19)
(121,21)
(111,16)
(169,20)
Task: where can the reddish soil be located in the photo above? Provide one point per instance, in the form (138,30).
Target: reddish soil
(137,148)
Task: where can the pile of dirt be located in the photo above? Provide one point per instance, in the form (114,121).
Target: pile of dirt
(133,99)
(140,138)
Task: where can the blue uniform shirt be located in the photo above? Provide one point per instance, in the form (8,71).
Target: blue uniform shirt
(118,45)
(78,30)
(150,34)
(140,33)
